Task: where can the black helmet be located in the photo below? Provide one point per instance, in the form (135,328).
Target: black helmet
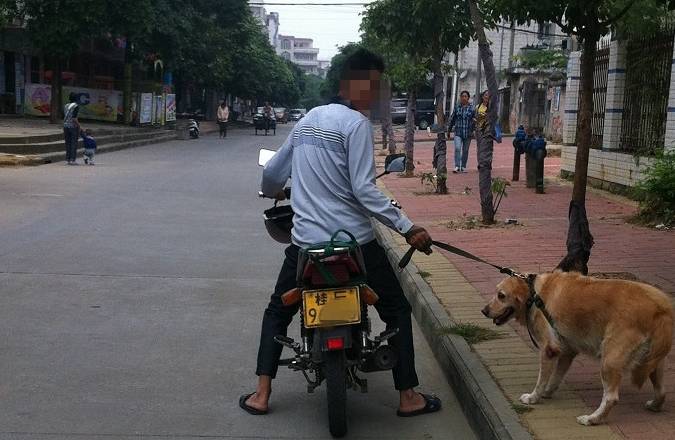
(279,222)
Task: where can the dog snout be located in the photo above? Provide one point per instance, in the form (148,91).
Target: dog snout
(486,310)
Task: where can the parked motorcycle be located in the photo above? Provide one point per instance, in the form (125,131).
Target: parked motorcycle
(335,331)
(193,128)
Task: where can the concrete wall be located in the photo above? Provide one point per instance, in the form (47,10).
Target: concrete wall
(609,166)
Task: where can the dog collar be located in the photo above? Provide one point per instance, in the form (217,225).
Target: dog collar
(536,300)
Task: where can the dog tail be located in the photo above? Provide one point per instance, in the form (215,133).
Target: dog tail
(661,342)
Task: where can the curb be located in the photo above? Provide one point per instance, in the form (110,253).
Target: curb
(488,411)
(59,156)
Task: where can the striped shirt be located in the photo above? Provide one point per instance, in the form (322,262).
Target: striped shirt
(330,154)
(462,121)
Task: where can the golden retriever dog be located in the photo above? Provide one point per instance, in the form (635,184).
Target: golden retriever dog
(628,325)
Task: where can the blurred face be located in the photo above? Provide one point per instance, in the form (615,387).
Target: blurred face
(361,89)
(486,98)
(464,98)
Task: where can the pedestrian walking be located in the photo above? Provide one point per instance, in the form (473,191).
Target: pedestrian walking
(223,116)
(486,118)
(71,128)
(462,123)
(89,147)
(236,109)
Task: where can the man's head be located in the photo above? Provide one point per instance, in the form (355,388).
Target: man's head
(222,103)
(360,79)
(87,132)
(72,97)
(464,97)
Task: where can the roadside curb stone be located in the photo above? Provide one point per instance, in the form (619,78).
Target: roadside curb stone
(488,411)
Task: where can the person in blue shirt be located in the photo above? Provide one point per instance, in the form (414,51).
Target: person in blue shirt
(462,122)
(89,147)
(330,154)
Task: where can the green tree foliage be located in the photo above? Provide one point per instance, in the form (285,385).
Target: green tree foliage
(311,96)
(56,27)
(207,44)
(414,36)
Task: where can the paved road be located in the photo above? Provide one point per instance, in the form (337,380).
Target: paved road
(130,300)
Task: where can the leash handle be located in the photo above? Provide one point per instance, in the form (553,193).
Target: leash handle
(406,258)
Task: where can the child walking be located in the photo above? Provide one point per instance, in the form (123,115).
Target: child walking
(89,147)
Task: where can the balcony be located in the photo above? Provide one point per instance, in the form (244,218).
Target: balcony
(306,50)
(306,63)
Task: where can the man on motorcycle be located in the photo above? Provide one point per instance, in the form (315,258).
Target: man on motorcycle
(330,154)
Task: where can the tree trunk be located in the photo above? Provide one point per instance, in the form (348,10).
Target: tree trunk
(387,129)
(440,147)
(410,133)
(485,144)
(55,104)
(126,84)
(579,238)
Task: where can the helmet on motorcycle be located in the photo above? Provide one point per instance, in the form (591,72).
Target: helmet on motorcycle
(279,222)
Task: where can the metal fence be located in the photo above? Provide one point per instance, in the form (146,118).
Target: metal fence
(648,64)
(599,94)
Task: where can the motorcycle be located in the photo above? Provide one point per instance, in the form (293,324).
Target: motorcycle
(193,128)
(335,330)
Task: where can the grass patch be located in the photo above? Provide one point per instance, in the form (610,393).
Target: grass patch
(519,408)
(424,274)
(472,333)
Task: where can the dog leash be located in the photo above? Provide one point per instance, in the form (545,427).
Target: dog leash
(462,253)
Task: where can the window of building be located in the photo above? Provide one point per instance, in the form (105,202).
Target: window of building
(286,55)
(286,44)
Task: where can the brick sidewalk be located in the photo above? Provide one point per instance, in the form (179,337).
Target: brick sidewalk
(538,244)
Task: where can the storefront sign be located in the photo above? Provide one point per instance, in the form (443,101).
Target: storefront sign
(170,107)
(100,105)
(145,116)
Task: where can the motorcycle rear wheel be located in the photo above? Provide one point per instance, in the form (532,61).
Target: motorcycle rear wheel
(336,391)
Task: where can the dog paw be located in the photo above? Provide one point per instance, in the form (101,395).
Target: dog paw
(654,405)
(529,398)
(587,420)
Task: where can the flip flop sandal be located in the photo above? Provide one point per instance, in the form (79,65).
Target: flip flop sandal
(249,409)
(433,404)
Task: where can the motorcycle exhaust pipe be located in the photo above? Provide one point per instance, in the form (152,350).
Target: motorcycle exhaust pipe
(382,359)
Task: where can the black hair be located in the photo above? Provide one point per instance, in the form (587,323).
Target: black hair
(481,98)
(72,97)
(468,95)
(362,59)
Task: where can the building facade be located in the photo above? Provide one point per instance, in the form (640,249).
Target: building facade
(300,51)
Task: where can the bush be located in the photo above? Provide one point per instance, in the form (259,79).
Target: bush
(656,191)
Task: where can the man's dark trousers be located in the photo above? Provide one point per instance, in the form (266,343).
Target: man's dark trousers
(393,308)
(71,135)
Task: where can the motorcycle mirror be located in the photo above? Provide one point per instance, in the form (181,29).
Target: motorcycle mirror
(264,156)
(395,163)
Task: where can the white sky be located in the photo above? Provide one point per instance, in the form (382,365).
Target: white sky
(328,26)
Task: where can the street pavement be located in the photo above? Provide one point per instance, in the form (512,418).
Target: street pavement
(131,294)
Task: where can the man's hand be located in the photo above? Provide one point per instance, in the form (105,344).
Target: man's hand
(419,238)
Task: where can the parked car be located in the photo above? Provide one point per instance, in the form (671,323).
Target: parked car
(398,110)
(296,114)
(281,114)
(424,114)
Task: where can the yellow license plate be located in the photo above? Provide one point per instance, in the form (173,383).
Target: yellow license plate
(331,307)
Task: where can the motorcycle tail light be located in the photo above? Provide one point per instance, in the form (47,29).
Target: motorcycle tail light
(291,297)
(337,343)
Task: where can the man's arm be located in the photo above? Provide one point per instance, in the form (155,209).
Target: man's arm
(453,119)
(278,169)
(361,161)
